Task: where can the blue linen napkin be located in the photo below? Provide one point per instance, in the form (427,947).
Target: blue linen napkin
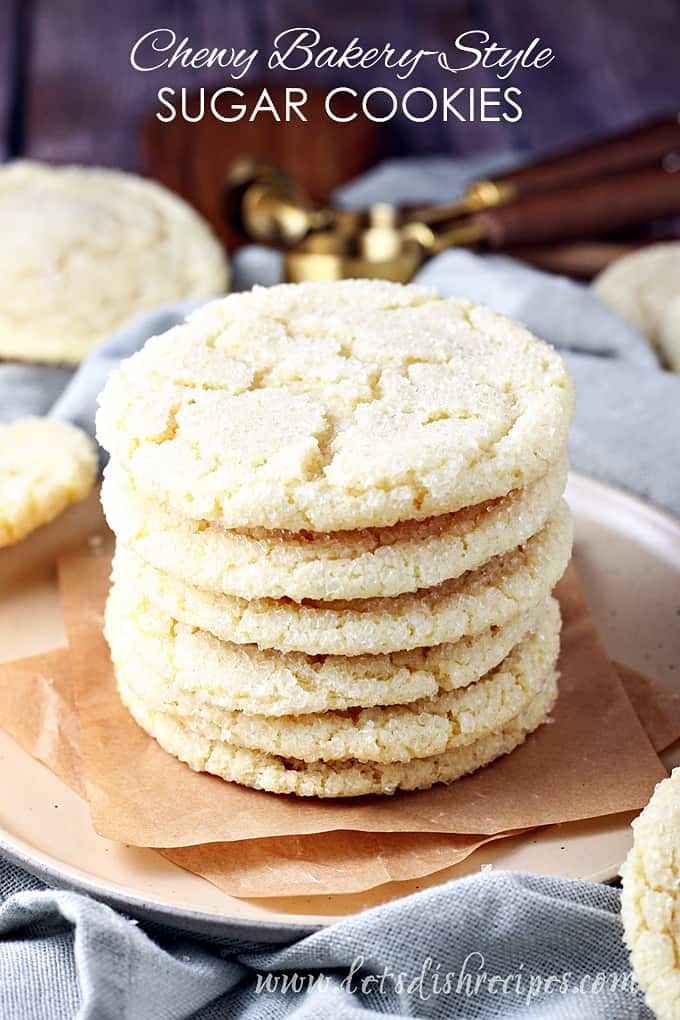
(65,955)
(492,945)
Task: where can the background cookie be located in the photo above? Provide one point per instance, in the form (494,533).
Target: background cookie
(462,607)
(340,406)
(669,334)
(651,898)
(45,465)
(336,565)
(84,250)
(342,779)
(640,287)
(397,733)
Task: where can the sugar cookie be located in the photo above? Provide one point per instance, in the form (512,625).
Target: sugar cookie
(45,465)
(640,287)
(397,733)
(342,779)
(84,250)
(462,607)
(326,407)
(669,334)
(650,899)
(244,678)
(337,565)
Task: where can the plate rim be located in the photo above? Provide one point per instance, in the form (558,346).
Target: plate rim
(658,514)
(223,926)
(194,921)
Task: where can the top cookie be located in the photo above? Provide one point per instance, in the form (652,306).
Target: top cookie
(336,406)
(84,250)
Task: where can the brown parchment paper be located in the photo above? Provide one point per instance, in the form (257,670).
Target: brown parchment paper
(593,759)
(38,712)
(326,863)
(657,707)
(37,709)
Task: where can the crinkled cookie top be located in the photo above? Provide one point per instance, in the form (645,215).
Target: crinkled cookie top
(336,406)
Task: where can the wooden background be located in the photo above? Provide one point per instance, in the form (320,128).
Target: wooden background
(67,91)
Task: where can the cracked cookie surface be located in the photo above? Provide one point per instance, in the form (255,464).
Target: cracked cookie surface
(650,899)
(337,565)
(45,465)
(85,250)
(327,407)
(462,607)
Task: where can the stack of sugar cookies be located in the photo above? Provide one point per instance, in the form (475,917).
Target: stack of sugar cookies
(339,521)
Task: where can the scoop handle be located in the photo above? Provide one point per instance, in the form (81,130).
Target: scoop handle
(642,146)
(585,210)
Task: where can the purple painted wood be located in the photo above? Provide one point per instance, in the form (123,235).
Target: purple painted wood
(6,33)
(85,101)
(426,25)
(615,63)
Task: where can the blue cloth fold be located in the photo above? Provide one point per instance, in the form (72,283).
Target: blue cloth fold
(64,955)
(492,945)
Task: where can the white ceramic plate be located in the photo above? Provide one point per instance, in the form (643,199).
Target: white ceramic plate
(628,554)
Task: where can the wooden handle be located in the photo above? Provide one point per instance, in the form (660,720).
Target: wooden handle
(586,210)
(580,259)
(637,148)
